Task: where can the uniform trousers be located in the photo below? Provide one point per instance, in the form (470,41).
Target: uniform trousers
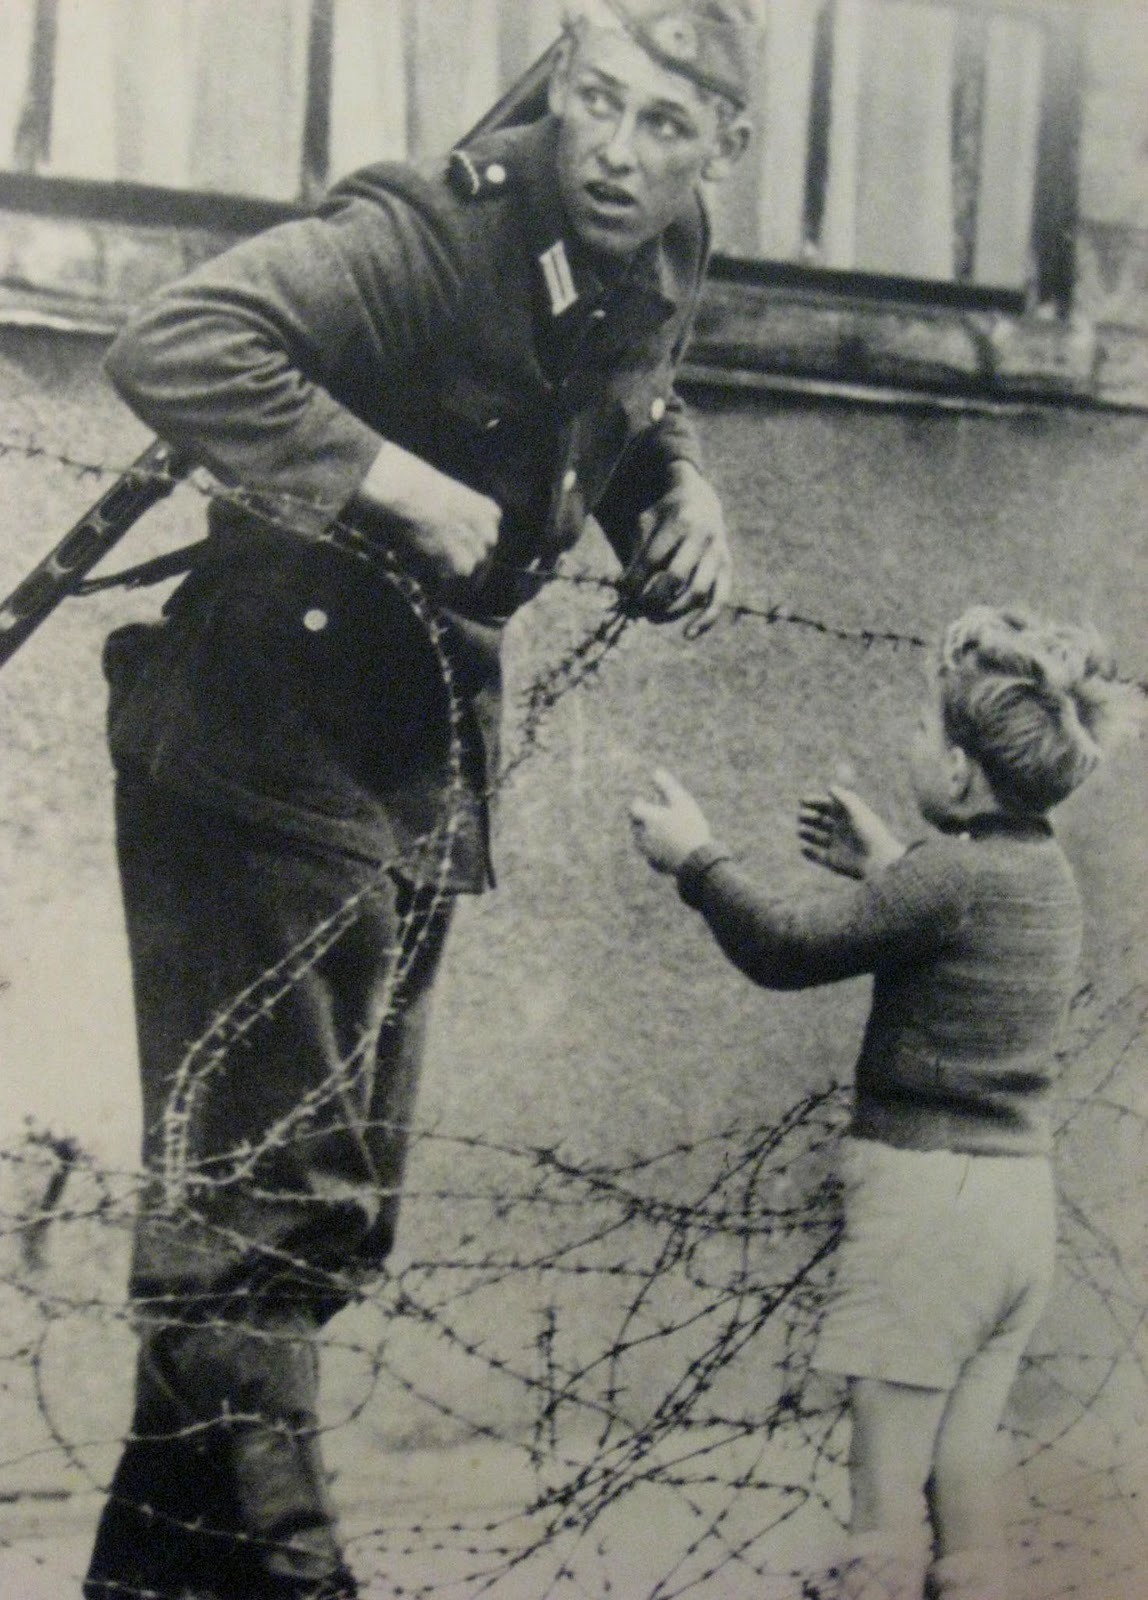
(279,1074)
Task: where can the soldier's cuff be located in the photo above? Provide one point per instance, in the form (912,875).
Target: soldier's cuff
(674,468)
(696,868)
(680,446)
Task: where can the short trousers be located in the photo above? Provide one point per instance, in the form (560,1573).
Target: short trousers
(945,1257)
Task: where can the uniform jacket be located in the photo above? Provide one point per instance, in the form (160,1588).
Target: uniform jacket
(445,310)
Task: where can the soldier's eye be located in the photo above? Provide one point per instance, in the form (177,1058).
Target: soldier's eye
(598,102)
(668,129)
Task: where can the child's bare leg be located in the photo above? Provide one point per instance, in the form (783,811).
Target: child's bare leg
(891,1455)
(967,1460)
(965,1496)
(894,1426)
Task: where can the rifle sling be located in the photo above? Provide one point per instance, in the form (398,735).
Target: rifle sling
(172,565)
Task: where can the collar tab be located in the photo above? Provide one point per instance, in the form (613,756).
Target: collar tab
(990,824)
(560,285)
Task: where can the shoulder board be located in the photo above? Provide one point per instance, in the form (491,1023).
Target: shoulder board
(384,180)
(386,183)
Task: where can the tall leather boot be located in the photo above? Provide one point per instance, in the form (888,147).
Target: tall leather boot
(220,1493)
(169,1516)
(261,1380)
(288,1522)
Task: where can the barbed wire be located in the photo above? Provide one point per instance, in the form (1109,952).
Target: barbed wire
(696,1261)
(770,612)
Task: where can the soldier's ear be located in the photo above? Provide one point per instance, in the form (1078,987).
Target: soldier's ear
(732,142)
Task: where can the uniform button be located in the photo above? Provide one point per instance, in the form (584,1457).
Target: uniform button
(657,410)
(598,314)
(314,620)
(496,173)
(569,479)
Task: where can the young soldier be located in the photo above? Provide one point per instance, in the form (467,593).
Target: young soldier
(464,362)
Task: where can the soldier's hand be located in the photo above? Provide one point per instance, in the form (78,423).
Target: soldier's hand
(449,529)
(683,564)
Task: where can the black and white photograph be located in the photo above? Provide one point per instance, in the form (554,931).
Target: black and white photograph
(573,822)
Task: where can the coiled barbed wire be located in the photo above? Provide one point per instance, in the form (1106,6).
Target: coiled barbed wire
(697,1280)
(772,612)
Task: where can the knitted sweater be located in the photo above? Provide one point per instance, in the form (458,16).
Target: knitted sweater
(973,941)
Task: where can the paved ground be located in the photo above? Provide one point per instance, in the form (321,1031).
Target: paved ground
(451,1515)
(450,1512)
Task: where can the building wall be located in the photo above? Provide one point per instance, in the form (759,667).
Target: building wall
(87,273)
(1112,244)
(582,1006)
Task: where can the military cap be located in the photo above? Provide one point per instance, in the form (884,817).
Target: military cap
(710,42)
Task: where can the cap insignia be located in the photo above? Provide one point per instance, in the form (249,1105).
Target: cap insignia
(676,37)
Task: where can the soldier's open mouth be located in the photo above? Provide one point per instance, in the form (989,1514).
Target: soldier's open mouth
(609,197)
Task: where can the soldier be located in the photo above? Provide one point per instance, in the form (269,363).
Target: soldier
(463,362)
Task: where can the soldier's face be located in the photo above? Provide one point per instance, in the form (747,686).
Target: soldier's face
(634,141)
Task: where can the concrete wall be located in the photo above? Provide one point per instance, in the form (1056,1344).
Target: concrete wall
(582,1005)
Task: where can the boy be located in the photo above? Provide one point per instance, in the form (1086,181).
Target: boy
(973,937)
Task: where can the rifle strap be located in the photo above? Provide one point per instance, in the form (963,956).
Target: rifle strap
(172,565)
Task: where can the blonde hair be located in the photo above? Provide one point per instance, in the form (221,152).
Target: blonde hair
(1036,703)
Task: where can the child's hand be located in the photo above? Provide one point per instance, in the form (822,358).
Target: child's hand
(670,828)
(839,831)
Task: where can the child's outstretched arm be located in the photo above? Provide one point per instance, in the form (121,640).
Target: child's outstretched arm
(839,831)
(669,829)
(798,940)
